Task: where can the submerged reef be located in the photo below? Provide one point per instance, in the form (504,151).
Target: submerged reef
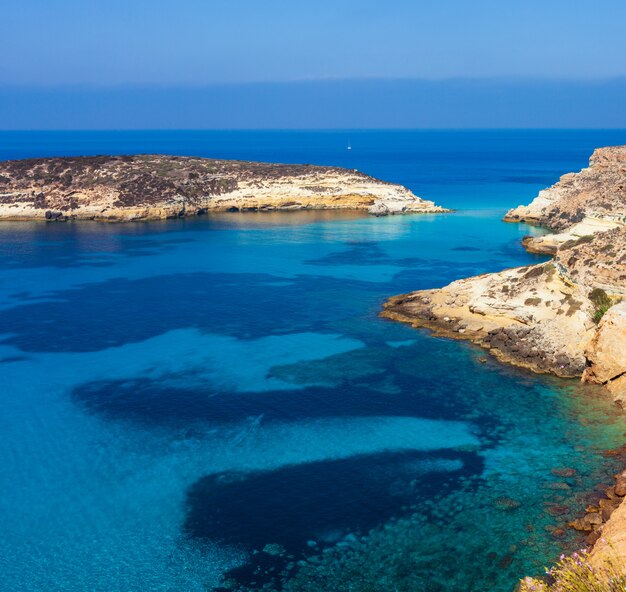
(149,187)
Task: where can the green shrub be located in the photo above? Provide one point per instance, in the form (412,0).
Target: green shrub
(599,312)
(601,301)
(599,297)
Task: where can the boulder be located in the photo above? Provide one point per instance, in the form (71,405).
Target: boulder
(606,352)
(620,484)
(587,523)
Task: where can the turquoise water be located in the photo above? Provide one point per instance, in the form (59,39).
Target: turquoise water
(214,402)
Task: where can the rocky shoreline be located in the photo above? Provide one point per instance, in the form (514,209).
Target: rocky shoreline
(579,204)
(154,187)
(565,317)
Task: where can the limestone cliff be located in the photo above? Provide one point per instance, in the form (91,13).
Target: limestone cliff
(580,204)
(540,317)
(548,317)
(606,353)
(154,187)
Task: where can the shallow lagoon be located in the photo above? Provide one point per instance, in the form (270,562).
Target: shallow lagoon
(179,396)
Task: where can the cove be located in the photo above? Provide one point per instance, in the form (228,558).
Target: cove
(197,404)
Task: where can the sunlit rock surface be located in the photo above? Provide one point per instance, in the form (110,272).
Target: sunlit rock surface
(606,353)
(545,317)
(141,187)
(597,192)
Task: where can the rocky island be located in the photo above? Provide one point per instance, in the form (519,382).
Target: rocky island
(149,187)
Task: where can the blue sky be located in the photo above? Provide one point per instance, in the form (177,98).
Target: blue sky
(75,49)
(201,42)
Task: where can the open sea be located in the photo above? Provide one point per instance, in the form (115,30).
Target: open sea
(214,402)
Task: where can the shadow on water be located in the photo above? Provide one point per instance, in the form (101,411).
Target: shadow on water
(145,401)
(277,516)
(248,305)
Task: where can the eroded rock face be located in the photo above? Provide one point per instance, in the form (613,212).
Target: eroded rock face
(611,546)
(597,261)
(544,317)
(606,353)
(580,205)
(154,187)
(597,192)
(532,317)
(578,233)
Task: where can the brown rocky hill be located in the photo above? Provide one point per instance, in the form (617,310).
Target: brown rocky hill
(580,204)
(155,186)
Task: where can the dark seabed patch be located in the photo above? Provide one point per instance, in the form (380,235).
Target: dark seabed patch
(356,253)
(82,244)
(364,253)
(112,313)
(302,508)
(11,359)
(543,179)
(148,402)
(247,306)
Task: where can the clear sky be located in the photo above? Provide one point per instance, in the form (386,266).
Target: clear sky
(170,42)
(71,63)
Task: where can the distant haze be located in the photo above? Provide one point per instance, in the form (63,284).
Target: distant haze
(303,64)
(462,103)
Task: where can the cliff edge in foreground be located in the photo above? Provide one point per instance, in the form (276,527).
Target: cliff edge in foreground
(565,317)
(140,187)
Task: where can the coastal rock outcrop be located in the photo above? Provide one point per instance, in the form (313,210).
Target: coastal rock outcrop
(611,544)
(155,187)
(606,353)
(579,204)
(604,528)
(530,316)
(562,317)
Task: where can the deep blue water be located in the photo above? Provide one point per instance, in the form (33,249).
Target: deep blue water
(214,401)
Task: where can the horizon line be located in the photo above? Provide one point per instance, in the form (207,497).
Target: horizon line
(302,81)
(313,129)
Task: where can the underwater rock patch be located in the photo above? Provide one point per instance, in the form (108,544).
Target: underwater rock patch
(328,502)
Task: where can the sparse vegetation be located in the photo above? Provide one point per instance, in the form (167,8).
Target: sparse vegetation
(576,573)
(601,301)
(532,301)
(583,240)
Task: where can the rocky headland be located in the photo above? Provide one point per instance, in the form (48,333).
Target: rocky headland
(565,317)
(149,187)
(580,204)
